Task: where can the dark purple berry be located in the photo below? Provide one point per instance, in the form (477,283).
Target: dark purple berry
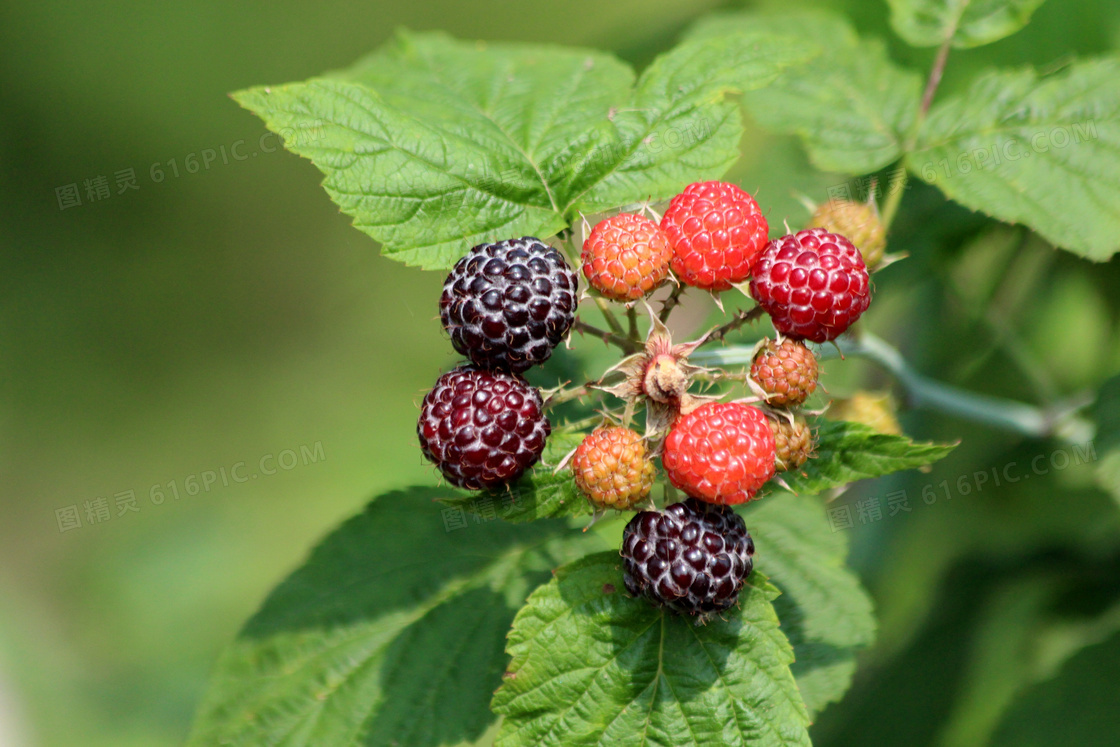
(507,305)
(701,556)
(482,428)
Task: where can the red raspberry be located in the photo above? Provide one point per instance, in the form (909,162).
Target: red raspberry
(786,371)
(716,231)
(720,453)
(483,429)
(813,284)
(626,256)
(613,469)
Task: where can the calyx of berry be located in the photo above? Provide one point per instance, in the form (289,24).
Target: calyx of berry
(661,375)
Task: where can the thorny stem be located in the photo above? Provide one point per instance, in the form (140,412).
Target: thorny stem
(567,395)
(740,318)
(671,303)
(620,341)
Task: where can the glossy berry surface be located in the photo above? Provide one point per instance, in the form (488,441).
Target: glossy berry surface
(481,428)
(813,284)
(507,305)
(626,256)
(720,453)
(612,468)
(716,231)
(787,371)
(692,557)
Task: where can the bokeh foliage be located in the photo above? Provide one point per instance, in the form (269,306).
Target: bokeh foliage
(232,313)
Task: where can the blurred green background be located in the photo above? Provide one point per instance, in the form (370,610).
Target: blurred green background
(231,314)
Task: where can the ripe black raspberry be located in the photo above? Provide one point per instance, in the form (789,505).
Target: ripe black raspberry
(692,557)
(483,429)
(507,305)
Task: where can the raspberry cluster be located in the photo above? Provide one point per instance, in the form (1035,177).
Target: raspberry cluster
(507,305)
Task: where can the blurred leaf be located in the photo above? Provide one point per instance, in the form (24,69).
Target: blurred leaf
(824,610)
(592,665)
(847,452)
(1081,706)
(851,106)
(433,145)
(539,494)
(391,633)
(1044,152)
(1107,414)
(970,23)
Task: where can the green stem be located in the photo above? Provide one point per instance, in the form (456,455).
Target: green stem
(567,395)
(1028,420)
(894,197)
(632,319)
(1058,420)
(897,186)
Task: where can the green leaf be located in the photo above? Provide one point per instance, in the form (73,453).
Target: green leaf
(593,666)
(851,106)
(677,126)
(847,452)
(970,23)
(824,610)
(1042,151)
(391,633)
(540,494)
(433,145)
(1078,707)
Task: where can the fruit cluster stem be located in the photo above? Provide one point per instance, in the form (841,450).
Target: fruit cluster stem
(567,395)
(1028,420)
(619,340)
(671,302)
(741,318)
